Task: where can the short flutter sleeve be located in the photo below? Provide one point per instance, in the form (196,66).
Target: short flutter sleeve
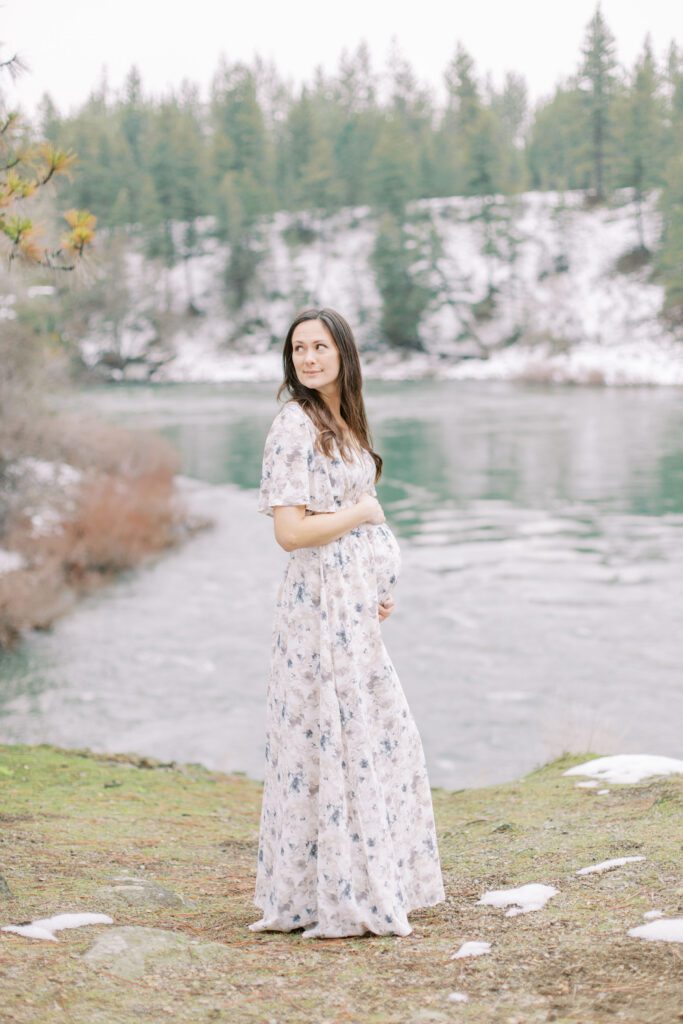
(287,461)
(294,471)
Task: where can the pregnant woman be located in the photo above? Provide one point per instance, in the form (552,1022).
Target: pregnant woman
(347,842)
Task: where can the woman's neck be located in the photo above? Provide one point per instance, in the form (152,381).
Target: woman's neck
(332,401)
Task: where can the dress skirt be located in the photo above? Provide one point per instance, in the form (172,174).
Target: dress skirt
(347,839)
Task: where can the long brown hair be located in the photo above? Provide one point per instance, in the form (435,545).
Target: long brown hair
(349,382)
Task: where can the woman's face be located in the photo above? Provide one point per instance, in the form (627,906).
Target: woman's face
(315,355)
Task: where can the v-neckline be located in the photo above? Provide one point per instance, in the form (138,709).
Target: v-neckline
(352,444)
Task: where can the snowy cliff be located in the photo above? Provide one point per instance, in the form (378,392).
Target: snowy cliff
(535,287)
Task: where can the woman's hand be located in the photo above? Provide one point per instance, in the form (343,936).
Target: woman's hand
(370,509)
(386,608)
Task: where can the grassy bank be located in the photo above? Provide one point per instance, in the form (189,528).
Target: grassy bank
(74,825)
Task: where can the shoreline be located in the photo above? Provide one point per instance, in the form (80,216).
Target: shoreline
(630,364)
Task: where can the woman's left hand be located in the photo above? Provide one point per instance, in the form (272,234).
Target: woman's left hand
(386,608)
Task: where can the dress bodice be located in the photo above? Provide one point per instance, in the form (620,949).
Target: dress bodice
(295,472)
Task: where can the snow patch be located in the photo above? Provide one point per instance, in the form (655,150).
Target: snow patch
(650,915)
(628,768)
(522,900)
(10,561)
(40,289)
(607,865)
(45,927)
(45,472)
(472,949)
(666,930)
(458,997)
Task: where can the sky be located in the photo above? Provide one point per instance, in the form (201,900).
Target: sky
(67,44)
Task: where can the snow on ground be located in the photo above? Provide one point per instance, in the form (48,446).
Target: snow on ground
(40,289)
(625,363)
(607,865)
(45,485)
(628,768)
(650,915)
(10,561)
(665,930)
(45,927)
(51,474)
(458,997)
(592,784)
(522,900)
(472,949)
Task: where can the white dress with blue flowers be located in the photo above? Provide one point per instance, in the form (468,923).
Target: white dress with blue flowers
(347,841)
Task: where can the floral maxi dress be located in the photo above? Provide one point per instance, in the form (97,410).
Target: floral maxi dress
(347,842)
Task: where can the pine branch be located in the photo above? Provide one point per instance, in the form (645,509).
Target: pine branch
(14,66)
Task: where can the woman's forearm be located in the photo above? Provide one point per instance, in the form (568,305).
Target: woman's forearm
(321,528)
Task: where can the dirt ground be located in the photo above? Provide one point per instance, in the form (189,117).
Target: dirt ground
(73,823)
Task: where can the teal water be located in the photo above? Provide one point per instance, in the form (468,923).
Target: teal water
(538,608)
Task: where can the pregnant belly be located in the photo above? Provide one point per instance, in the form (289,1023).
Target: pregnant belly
(387,558)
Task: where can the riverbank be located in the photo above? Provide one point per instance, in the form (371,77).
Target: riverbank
(168,852)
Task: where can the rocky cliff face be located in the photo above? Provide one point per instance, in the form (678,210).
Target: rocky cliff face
(533,286)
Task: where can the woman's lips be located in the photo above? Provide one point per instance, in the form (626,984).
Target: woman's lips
(311,373)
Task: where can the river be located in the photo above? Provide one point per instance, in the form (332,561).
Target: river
(538,610)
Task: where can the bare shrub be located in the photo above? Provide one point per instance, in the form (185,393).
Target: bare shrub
(123,509)
(118,521)
(538,373)
(31,598)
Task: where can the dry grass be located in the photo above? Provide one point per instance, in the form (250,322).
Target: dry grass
(72,820)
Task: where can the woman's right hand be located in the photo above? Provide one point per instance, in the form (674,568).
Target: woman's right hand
(371,510)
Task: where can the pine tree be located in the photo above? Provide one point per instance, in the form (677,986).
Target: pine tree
(641,122)
(597,80)
(454,134)
(393,169)
(674,104)
(511,110)
(464,101)
(557,151)
(132,114)
(239,135)
(26,167)
(670,263)
(405,294)
(319,180)
(411,109)
(355,95)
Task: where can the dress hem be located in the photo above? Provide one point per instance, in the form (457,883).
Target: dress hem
(258,926)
